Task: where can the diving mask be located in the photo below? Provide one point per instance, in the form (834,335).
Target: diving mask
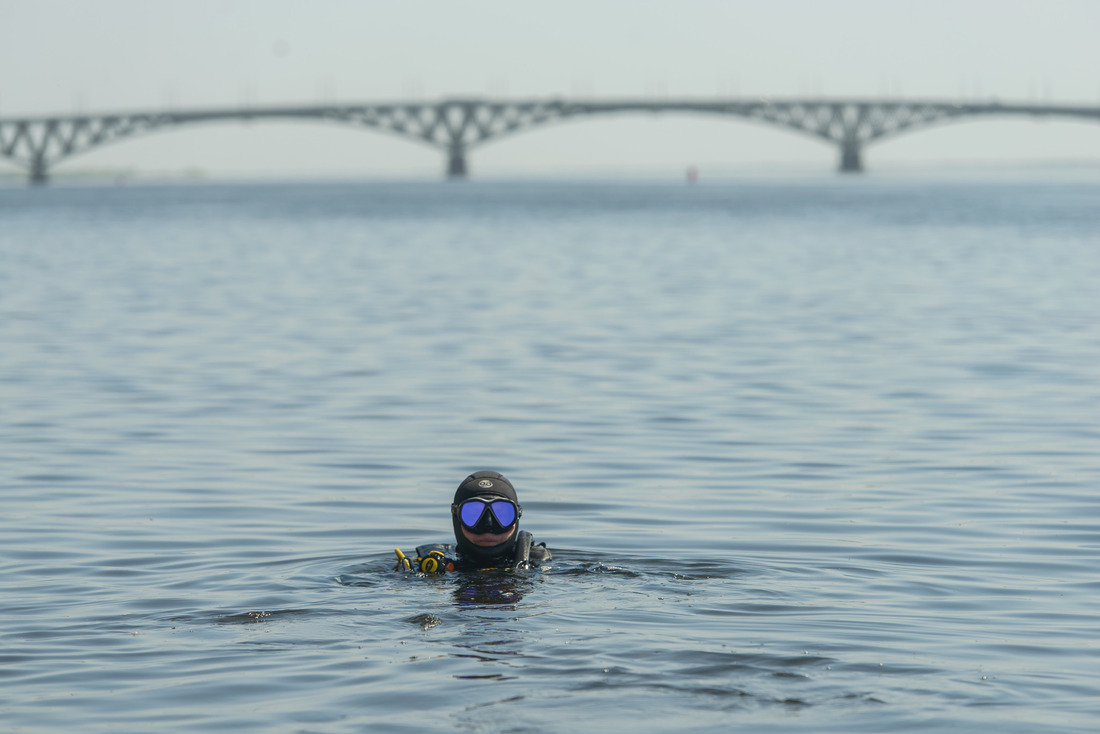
(487,514)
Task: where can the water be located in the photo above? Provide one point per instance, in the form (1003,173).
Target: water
(811,456)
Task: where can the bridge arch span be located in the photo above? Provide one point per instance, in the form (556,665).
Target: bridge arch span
(266,148)
(38,145)
(651,142)
(996,138)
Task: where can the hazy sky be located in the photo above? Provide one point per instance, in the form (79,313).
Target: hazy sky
(61,56)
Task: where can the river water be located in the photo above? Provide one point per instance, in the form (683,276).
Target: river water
(810,455)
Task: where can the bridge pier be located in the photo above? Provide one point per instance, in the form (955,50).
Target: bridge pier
(456,162)
(851,157)
(39,175)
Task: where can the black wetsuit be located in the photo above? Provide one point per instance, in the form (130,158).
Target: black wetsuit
(526,554)
(518,551)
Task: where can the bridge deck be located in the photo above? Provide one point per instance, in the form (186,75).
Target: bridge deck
(455,126)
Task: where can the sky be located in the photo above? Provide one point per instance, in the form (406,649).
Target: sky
(68,56)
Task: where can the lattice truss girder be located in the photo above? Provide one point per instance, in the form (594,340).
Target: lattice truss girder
(36,142)
(464,124)
(847,122)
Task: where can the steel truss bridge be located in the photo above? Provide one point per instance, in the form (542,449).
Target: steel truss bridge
(457,126)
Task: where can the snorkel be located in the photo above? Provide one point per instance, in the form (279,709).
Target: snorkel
(478,506)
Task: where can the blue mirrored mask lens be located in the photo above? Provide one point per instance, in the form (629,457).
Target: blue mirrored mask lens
(471,512)
(505,512)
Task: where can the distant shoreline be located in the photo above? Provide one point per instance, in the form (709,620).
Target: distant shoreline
(963,170)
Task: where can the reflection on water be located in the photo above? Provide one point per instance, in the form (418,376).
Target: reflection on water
(808,455)
(490,590)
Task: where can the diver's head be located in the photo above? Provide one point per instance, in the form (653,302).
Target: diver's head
(485,515)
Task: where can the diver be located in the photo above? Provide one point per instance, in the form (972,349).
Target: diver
(485,515)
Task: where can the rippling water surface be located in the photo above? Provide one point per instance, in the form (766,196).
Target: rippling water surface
(811,456)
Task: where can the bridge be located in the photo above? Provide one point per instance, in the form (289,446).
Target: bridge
(457,126)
